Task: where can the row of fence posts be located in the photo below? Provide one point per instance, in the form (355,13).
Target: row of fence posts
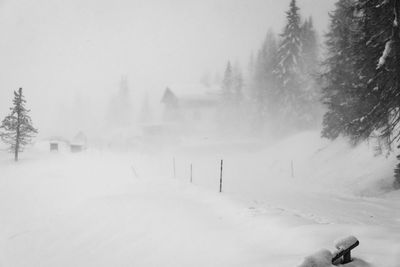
(191,172)
(221,171)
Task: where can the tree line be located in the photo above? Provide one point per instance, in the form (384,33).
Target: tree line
(353,91)
(362,72)
(281,91)
(357,81)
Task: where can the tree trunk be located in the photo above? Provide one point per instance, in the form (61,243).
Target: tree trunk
(16,144)
(16,154)
(18,135)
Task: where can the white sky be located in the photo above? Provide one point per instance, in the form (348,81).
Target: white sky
(58,48)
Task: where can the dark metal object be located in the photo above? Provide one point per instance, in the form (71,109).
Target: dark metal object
(346,254)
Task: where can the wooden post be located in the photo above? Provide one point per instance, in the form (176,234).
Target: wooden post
(191,173)
(220,176)
(292,168)
(134,171)
(347,257)
(174,167)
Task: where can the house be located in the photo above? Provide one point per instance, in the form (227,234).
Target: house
(57,143)
(171,106)
(193,107)
(78,143)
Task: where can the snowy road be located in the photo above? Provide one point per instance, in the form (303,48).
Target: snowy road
(98,219)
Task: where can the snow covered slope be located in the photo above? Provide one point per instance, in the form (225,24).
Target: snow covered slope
(105,209)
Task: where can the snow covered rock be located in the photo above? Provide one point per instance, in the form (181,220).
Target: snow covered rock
(345,243)
(322,258)
(357,263)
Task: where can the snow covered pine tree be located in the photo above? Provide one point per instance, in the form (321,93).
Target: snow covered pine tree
(16,128)
(364,102)
(289,70)
(298,97)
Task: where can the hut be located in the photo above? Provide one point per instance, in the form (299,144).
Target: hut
(78,143)
(57,143)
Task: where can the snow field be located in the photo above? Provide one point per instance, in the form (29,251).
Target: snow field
(91,209)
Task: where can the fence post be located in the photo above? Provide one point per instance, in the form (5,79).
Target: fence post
(191,173)
(134,171)
(292,168)
(220,176)
(174,167)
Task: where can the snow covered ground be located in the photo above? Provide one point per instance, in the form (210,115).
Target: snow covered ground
(101,208)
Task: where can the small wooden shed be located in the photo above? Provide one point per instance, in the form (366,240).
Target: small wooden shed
(78,143)
(53,146)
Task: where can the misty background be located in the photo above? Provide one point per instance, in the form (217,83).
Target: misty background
(70,56)
(174,129)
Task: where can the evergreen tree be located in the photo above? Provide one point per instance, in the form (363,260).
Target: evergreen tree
(363,82)
(16,129)
(120,112)
(309,47)
(382,116)
(312,107)
(145,112)
(251,67)
(227,84)
(339,76)
(237,86)
(295,95)
(372,86)
(359,95)
(226,100)
(231,97)
(264,86)
(205,79)
(290,47)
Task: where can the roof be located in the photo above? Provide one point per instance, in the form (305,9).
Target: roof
(189,95)
(79,139)
(169,97)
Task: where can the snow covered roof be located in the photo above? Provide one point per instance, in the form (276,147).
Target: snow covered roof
(79,139)
(193,95)
(57,139)
(183,89)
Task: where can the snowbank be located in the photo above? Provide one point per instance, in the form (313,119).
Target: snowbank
(103,209)
(322,258)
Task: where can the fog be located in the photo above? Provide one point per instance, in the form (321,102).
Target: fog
(70,53)
(196,133)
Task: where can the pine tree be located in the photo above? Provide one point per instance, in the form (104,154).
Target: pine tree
(251,67)
(311,107)
(309,47)
(146,114)
(237,86)
(227,84)
(294,94)
(232,98)
(290,47)
(384,116)
(264,85)
(120,112)
(225,115)
(16,128)
(397,174)
(339,77)
(363,88)
(373,86)
(361,97)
